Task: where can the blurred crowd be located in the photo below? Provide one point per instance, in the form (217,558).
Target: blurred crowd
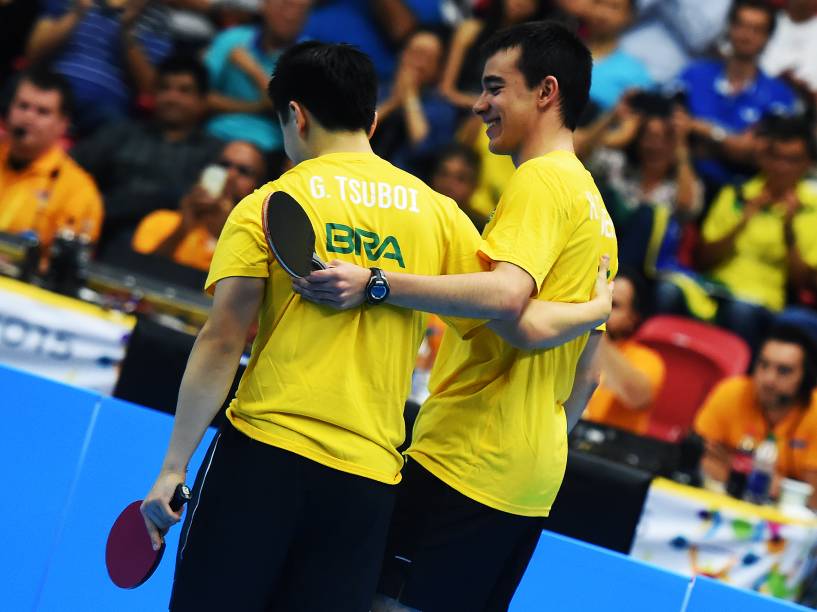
(138,124)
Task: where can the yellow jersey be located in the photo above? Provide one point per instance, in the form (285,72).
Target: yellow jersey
(194,250)
(758,270)
(330,385)
(50,194)
(494,427)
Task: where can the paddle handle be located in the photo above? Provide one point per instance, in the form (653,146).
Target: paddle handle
(180,497)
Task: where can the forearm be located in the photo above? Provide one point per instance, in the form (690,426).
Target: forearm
(217,103)
(687,180)
(548,324)
(585,382)
(50,34)
(141,71)
(482,295)
(627,382)
(168,246)
(416,122)
(207,379)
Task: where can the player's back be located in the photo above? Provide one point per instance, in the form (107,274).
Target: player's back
(331,385)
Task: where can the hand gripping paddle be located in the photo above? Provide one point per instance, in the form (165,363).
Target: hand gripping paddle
(290,235)
(129,554)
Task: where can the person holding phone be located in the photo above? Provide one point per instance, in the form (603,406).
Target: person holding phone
(188,236)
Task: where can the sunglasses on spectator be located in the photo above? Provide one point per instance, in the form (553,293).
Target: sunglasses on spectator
(242,169)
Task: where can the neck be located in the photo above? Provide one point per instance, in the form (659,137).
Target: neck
(603,46)
(777,414)
(740,71)
(542,142)
(651,174)
(271,42)
(176,133)
(324,143)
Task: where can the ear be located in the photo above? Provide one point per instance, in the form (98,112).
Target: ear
(374,126)
(548,92)
(300,117)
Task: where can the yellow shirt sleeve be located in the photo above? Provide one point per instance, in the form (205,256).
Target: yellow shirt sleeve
(531,223)
(242,249)
(153,229)
(722,217)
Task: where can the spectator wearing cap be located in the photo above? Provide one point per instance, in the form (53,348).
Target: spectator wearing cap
(726,98)
(188,236)
(42,190)
(145,165)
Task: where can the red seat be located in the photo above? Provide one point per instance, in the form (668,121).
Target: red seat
(696,356)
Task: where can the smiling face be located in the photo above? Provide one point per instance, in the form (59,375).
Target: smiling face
(506,105)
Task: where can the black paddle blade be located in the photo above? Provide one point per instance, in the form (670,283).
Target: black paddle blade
(290,235)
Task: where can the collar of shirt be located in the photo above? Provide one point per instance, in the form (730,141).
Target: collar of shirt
(45,165)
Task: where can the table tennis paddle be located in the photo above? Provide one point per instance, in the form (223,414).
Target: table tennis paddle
(129,554)
(289,235)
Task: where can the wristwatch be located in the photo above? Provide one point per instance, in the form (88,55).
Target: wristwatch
(377,289)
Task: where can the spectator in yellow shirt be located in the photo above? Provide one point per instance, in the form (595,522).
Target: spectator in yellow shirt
(188,236)
(777,398)
(631,373)
(42,190)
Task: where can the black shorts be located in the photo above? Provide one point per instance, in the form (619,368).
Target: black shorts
(447,552)
(271,530)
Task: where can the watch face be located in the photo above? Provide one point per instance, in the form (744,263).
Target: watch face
(378,292)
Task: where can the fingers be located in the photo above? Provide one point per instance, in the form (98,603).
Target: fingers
(158,519)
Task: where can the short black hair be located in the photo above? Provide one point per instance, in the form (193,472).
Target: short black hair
(641,295)
(48,80)
(550,49)
(791,334)
(184,63)
(457,149)
(758,5)
(783,128)
(337,83)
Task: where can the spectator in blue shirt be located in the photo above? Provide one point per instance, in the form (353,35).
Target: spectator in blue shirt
(101,47)
(378,27)
(240,62)
(726,98)
(614,70)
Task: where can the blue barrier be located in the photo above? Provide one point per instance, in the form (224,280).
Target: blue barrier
(123,458)
(572,576)
(708,595)
(45,427)
(72,460)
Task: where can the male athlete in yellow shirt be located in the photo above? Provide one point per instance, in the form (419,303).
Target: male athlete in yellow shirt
(490,444)
(291,506)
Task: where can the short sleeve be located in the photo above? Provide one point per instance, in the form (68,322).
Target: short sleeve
(653,368)
(722,217)
(153,229)
(241,249)
(531,225)
(712,420)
